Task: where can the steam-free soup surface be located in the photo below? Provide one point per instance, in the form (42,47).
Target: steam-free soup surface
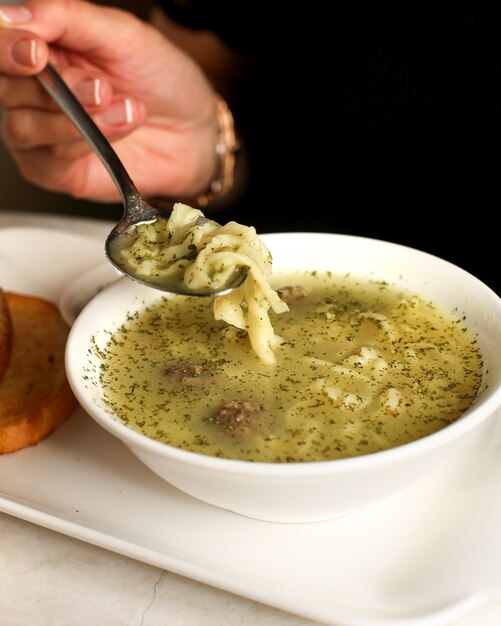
(362,367)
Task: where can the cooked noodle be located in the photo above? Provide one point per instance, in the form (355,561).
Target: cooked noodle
(205,256)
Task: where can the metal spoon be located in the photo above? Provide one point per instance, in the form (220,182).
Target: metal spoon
(136,209)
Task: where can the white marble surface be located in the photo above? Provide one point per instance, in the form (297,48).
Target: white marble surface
(49,579)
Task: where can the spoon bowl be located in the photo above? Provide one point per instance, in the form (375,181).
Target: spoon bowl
(136,210)
(125,232)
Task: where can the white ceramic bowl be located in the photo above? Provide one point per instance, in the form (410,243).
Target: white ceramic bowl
(303,492)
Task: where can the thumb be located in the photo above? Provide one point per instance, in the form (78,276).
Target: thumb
(75,24)
(22,54)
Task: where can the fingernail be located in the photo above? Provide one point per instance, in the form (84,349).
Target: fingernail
(24,52)
(117,113)
(15,14)
(89,91)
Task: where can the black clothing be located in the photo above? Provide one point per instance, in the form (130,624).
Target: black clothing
(376,119)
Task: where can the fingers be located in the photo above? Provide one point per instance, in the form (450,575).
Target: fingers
(45,145)
(94,93)
(33,119)
(137,59)
(84,178)
(26,128)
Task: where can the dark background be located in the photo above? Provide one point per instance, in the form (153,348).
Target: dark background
(445,202)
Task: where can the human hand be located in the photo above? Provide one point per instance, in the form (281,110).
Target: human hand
(148,97)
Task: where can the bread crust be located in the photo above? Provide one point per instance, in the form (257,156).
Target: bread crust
(5,335)
(35,396)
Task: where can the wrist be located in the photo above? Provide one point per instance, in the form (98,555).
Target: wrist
(220,161)
(225,152)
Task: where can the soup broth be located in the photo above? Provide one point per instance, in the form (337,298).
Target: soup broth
(362,367)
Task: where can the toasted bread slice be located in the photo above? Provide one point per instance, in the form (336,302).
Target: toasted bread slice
(5,335)
(35,396)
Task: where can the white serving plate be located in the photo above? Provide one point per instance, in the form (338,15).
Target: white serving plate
(424,556)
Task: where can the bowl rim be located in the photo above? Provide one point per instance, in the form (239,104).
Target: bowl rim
(481,408)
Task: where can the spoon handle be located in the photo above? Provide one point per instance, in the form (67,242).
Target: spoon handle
(61,93)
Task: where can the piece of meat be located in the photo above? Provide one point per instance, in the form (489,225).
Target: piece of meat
(292,293)
(184,372)
(237,418)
